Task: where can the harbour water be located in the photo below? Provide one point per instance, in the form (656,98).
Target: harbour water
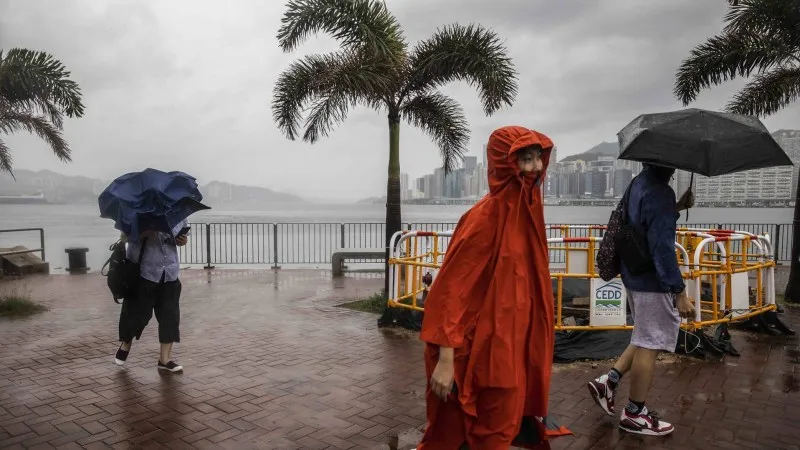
(80,225)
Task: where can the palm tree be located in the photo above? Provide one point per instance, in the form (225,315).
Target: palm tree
(761,38)
(375,68)
(35,95)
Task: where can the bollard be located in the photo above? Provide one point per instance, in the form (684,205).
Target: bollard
(77,260)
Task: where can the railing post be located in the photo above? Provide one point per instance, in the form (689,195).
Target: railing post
(776,242)
(341,231)
(275,265)
(208,247)
(41,242)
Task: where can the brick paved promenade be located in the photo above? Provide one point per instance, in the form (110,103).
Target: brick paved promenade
(271,363)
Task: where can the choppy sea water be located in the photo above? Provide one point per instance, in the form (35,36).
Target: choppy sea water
(306,234)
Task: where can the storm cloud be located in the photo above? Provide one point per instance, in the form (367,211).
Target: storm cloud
(187,85)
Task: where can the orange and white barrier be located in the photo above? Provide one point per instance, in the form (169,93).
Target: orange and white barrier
(738,267)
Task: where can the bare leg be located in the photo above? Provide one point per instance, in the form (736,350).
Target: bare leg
(166,352)
(126,346)
(644,364)
(623,364)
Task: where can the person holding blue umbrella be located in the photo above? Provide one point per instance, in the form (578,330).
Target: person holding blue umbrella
(151,208)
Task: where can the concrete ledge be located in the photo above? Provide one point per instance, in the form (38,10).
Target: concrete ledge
(341,254)
(22,261)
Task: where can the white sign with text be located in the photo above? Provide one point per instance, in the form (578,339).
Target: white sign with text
(608,302)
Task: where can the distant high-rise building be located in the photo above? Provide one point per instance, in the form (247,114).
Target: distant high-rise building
(789,140)
(774,183)
(437,190)
(622,178)
(428,187)
(405,189)
(470,162)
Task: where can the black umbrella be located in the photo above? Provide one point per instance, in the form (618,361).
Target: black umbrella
(708,143)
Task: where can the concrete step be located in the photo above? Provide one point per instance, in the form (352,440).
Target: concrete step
(21,263)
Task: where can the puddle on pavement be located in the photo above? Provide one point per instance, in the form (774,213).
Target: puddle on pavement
(790,383)
(398,333)
(405,440)
(415,394)
(793,355)
(686,401)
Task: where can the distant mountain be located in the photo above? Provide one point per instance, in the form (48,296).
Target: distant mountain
(58,188)
(601,149)
(372,200)
(218,192)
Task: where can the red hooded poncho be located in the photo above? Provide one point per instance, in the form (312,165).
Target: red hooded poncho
(492,301)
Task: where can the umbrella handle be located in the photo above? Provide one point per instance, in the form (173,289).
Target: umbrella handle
(691,186)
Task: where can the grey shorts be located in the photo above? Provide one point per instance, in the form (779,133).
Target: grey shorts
(656,321)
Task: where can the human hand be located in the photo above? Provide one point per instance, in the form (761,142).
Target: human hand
(686,201)
(181,240)
(685,306)
(443,374)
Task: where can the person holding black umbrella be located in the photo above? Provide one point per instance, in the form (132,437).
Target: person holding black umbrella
(657,300)
(702,142)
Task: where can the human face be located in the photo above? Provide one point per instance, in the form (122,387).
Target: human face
(529,160)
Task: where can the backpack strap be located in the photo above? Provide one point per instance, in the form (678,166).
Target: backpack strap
(142,248)
(113,247)
(626,197)
(108,261)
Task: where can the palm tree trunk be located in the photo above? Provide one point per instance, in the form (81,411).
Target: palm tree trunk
(394,221)
(792,293)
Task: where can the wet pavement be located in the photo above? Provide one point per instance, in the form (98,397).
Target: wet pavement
(272,363)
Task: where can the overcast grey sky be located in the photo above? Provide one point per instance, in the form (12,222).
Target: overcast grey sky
(187,85)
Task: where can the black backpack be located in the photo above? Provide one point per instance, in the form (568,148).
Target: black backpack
(122,274)
(622,243)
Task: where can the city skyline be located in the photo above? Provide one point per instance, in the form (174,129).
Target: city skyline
(597,174)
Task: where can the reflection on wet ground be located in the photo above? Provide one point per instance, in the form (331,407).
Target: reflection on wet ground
(272,363)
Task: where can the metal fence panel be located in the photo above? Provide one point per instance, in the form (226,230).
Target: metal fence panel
(314,243)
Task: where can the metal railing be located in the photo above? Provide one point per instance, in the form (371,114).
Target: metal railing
(22,252)
(278,244)
(33,250)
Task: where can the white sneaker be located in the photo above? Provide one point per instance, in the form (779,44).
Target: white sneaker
(602,394)
(645,423)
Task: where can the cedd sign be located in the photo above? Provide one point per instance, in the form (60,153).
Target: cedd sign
(609,294)
(607,302)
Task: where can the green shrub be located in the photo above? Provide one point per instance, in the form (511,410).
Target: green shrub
(375,303)
(17,303)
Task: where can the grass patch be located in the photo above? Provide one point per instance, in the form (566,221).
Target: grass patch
(781,300)
(18,304)
(375,303)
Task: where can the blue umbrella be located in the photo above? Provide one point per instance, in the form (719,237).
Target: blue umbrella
(150,200)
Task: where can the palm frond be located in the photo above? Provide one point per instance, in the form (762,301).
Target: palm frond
(724,57)
(41,83)
(768,93)
(5,158)
(472,54)
(777,18)
(12,121)
(364,25)
(332,83)
(443,120)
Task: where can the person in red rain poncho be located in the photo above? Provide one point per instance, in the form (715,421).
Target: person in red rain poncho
(488,322)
